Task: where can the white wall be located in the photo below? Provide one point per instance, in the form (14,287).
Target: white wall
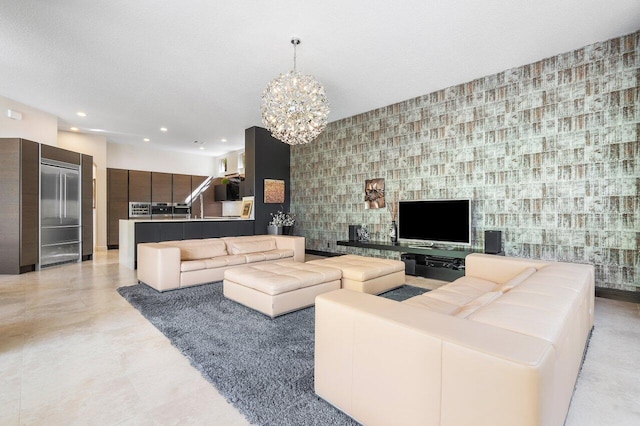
(232,163)
(37,126)
(95,146)
(120,156)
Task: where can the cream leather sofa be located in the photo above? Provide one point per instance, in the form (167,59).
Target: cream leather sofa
(502,345)
(175,264)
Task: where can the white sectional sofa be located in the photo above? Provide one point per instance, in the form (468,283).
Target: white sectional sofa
(174,264)
(502,345)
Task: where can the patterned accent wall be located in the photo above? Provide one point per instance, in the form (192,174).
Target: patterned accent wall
(548,152)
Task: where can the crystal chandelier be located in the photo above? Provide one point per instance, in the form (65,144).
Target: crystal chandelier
(294,106)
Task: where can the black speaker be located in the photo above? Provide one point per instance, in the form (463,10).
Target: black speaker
(409,263)
(493,242)
(353,232)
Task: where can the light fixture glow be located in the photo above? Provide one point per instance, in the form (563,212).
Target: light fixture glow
(146,139)
(223,140)
(202,147)
(163,129)
(295,106)
(97,130)
(74,129)
(81,114)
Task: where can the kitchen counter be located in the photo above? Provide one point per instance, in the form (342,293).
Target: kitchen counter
(135,231)
(206,219)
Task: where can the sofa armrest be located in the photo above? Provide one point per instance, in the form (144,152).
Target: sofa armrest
(385,362)
(159,266)
(291,243)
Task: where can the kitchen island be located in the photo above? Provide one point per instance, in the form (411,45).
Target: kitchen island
(134,231)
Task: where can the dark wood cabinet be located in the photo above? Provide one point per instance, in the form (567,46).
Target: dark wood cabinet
(86,170)
(19,195)
(139,186)
(160,187)
(59,154)
(117,203)
(181,188)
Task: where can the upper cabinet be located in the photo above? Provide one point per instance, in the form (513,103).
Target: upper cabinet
(161,187)
(139,186)
(59,154)
(181,188)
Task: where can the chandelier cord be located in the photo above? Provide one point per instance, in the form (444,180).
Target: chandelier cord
(295,44)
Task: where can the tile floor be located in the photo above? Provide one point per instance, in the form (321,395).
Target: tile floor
(72,351)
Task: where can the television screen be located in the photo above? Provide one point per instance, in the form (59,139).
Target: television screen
(446,221)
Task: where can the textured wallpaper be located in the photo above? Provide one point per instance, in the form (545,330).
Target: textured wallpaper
(548,152)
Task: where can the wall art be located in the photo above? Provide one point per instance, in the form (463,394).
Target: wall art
(273,191)
(374,194)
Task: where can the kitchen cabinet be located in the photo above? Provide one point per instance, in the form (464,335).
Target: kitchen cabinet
(59,154)
(160,187)
(20,198)
(86,176)
(181,188)
(139,186)
(117,203)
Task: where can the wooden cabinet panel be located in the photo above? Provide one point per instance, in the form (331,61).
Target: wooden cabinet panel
(160,187)
(117,203)
(59,154)
(181,188)
(87,205)
(29,202)
(10,201)
(139,186)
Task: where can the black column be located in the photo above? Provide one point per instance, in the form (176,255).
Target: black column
(265,158)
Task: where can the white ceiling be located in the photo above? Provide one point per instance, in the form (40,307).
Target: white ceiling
(198,67)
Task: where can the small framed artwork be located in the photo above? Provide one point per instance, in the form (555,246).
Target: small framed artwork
(374,194)
(245,211)
(273,191)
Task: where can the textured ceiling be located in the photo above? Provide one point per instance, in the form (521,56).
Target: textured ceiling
(199,67)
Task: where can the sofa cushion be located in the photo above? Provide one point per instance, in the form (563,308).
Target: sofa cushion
(518,279)
(474,305)
(199,249)
(432,304)
(224,261)
(192,265)
(244,245)
(472,285)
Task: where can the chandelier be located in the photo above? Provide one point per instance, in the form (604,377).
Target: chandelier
(294,106)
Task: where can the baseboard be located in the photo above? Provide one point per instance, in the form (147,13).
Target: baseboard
(622,295)
(323,253)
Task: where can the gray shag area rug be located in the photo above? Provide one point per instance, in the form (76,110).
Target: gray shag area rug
(263,366)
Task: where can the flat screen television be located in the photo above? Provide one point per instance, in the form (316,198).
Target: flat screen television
(430,222)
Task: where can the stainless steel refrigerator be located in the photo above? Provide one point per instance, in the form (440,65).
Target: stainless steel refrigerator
(60,236)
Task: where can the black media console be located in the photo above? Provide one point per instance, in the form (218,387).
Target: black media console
(430,262)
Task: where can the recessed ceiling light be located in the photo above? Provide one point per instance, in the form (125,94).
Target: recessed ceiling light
(96,130)
(74,129)
(81,114)
(223,140)
(163,129)
(202,147)
(146,139)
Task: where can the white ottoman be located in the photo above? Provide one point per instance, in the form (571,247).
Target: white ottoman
(366,274)
(279,287)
